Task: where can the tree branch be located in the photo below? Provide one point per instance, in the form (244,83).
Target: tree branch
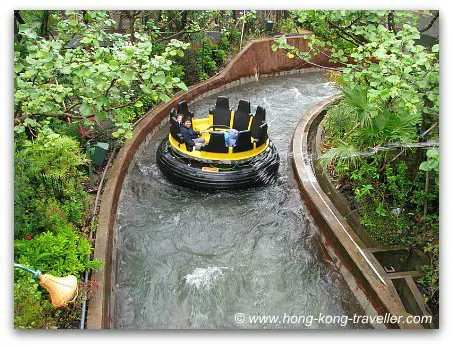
(177,34)
(430,23)
(20,119)
(361,41)
(391,22)
(171,21)
(110,87)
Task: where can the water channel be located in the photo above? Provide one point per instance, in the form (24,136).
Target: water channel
(194,260)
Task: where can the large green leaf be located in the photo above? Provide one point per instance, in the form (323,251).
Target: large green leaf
(85,109)
(159,78)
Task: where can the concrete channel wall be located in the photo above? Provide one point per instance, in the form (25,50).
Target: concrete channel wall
(255,60)
(378,292)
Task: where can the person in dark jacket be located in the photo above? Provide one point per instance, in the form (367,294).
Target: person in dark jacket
(191,138)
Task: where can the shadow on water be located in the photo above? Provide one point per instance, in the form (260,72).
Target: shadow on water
(189,259)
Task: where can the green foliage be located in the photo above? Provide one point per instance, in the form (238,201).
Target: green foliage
(379,54)
(59,253)
(205,60)
(189,62)
(201,63)
(52,156)
(47,184)
(357,130)
(287,26)
(431,277)
(31,309)
(230,38)
(432,163)
(389,195)
(87,72)
(343,152)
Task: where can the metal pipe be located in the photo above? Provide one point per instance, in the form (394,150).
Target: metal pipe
(35,274)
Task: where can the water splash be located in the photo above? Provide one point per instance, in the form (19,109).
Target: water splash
(204,278)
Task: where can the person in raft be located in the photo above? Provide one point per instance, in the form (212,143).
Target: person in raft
(191,138)
(231,137)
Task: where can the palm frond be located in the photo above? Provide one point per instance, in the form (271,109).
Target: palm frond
(344,153)
(358,98)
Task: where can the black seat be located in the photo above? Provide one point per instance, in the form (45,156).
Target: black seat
(222,102)
(221,117)
(175,130)
(262,135)
(258,119)
(216,143)
(183,108)
(242,116)
(221,113)
(243,142)
(244,106)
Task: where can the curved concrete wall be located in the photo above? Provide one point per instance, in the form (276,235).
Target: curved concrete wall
(364,275)
(256,58)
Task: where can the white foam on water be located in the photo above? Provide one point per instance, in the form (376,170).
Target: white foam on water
(204,278)
(297,92)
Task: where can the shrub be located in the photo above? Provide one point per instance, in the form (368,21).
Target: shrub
(189,62)
(52,160)
(60,253)
(205,60)
(31,310)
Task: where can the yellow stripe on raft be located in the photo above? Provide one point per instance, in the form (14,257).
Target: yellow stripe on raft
(203,124)
(218,156)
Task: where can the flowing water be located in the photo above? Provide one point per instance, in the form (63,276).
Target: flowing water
(189,259)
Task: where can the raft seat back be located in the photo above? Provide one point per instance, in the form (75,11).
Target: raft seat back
(222,102)
(244,106)
(221,116)
(258,119)
(242,116)
(262,135)
(183,108)
(216,143)
(175,130)
(243,142)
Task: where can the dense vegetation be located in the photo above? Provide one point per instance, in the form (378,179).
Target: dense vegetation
(83,77)
(373,145)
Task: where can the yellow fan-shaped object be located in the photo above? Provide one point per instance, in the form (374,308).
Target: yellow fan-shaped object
(63,290)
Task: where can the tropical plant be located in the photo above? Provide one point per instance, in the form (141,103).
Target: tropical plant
(31,310)
(59,253)
(377,52)
(85,73)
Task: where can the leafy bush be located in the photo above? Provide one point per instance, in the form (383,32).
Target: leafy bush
(205,60)
(219,56)
(230,38)
(395,203)
(60,253)
(31,309)
(287,26)
(53,160)
(76,75)
(189,62)
(47,183)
